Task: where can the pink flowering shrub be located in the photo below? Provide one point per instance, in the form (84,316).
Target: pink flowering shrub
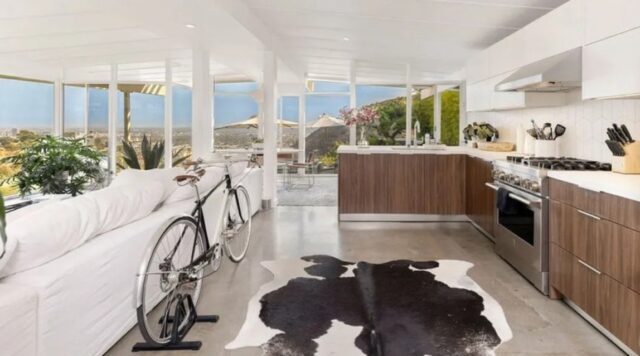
(364,116)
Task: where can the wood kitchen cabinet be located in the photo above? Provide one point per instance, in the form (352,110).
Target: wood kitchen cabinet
(595,257)
(430,184)
(480,199)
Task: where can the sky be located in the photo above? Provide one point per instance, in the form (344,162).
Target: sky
(30,104)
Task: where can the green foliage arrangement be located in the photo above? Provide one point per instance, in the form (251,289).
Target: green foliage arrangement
(55,165)
(393,115)
(152,155)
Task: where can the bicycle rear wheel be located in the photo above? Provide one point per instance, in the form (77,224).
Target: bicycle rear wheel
(237,224)
(167,277)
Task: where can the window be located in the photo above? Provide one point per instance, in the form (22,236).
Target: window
(235,113)
(423,111)
(321,86)
(450,116)
(142,116)
(288,119)
(391,104)
(75,105)
(324,131)
(181,123)
(26,112)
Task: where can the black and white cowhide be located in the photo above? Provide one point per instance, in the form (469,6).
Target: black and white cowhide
(320,305)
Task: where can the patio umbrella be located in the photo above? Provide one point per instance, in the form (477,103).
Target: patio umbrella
(326,121)
(252,122)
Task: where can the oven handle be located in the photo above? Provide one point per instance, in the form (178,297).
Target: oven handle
(514,196)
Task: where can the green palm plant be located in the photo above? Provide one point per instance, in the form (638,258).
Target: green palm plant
(151,154)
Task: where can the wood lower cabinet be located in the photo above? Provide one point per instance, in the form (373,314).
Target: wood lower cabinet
(480,199)
(401,184)
(595,258)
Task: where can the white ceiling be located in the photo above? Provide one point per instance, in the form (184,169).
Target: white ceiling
(80,38)
(436,37)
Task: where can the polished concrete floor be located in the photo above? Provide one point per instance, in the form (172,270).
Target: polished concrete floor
(540,326)
(323,192)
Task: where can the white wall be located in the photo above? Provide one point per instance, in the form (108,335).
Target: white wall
(586,123)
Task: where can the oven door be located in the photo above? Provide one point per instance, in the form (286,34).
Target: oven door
(521,236)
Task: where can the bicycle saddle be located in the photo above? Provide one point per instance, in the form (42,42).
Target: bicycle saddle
(192,178)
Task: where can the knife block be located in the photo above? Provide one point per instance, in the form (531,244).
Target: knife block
(630,162)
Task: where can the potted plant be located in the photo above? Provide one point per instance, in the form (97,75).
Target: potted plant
(55,165)
(363,117)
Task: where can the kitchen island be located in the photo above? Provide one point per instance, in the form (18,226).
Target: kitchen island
(396,183)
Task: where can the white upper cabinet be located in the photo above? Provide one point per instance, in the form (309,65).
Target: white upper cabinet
(558,31)
(611,67)
(605,18)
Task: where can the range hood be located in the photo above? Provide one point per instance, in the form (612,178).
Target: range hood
(561,72)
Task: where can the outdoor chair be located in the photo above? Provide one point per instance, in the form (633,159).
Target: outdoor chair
(293,177)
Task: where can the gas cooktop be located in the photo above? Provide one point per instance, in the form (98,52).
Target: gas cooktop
(560,163)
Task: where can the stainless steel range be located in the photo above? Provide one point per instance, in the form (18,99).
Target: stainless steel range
(522,212)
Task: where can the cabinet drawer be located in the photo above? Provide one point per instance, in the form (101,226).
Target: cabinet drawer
(620,210)
(610,303)
(584,199)
(609,247)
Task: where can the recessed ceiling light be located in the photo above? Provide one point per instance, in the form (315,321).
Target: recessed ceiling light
(190,25)
(345,38)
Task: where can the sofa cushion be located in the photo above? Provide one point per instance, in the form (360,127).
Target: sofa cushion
(137,176)
(121,205)
(55,229)
(49,232)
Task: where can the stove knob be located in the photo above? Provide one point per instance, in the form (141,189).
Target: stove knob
(514,179)
(534,187)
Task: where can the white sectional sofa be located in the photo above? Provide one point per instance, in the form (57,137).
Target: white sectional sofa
(81,303)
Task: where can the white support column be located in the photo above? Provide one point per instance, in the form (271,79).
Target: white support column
(462,111)
(86,111)
(302,126)
(269,111)
(58,105)
(437,114)
(352,101)
(168,114)
(409,128)
(202,108)
(113,118)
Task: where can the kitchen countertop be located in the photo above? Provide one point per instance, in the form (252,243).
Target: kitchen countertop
(623,185)
(446,150)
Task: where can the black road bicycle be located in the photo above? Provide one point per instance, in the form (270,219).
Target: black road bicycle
(170,276)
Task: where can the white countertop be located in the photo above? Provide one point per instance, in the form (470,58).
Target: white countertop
(623,185)
(443,150)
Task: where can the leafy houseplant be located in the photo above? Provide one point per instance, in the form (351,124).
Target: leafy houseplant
(152,154)
(55,165)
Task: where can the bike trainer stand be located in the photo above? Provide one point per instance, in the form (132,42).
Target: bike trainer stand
(176,342)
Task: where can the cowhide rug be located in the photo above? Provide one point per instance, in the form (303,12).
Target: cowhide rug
(320,305)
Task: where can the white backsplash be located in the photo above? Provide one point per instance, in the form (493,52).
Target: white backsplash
(586,123)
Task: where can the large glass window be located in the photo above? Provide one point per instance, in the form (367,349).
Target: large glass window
(142,118)
(423,111)
(325,132)
(26,112)
(181,123)
(235,112)
(450,116)
(391,104)
(321,86)
(288,119)
(75,102)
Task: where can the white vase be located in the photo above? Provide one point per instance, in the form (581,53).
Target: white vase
(546,148)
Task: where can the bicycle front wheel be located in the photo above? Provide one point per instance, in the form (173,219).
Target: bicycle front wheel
(167,276)
(237,224)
